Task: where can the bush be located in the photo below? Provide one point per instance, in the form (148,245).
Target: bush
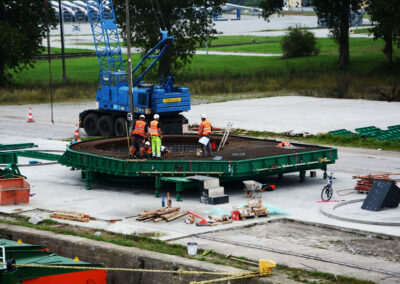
(299,42)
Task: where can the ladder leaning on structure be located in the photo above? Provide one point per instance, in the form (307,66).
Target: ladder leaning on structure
(225,136)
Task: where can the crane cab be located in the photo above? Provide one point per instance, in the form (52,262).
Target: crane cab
(109,96)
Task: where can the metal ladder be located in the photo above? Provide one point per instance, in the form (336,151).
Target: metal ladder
(225,136)
(3,257)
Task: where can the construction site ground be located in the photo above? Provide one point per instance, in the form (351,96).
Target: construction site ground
(59,188)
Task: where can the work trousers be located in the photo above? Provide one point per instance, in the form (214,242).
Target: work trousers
(156,146)
(206,148)
(137,143)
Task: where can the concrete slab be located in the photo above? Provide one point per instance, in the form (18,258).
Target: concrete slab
(265,114)
(351,211)
(58,188)
(293,261)
(299,113)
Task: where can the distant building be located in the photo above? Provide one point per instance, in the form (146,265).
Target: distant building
(298,5)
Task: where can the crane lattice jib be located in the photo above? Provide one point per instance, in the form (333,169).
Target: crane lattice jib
(105,35)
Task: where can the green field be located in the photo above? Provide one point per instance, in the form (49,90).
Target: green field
(358,46)
(223,75)
(56,50)
(361,31)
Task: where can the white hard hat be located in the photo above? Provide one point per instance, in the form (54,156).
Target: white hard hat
(203,115)
(147,143)
(162,148)
(156,116)
(142,116)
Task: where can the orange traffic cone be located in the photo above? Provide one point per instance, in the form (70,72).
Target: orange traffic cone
(76,138)
(30,118)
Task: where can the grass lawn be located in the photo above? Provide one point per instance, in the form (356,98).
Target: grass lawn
(214,75)
(56,50)
(85,69)
(358,46)
(361,31)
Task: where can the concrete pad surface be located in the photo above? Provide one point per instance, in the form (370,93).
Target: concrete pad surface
(308,264)
(59,188)
(277,114)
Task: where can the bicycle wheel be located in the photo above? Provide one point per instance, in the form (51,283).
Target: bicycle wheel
(326,193)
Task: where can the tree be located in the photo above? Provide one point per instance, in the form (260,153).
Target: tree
(270,7)
(336,15)
(188,21)
(23,25)
(299,42)
(385,15)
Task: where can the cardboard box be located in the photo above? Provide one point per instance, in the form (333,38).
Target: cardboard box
(257,203)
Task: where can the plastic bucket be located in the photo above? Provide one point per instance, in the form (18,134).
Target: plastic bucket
(235,215)
(213,146)
(192,248)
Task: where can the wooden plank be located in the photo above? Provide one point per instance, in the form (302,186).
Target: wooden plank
(70,217)
(180,214)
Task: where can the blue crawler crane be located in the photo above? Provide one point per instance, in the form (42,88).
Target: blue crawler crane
(109,119)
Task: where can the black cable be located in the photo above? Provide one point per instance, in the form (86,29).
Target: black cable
(49,59)
(155,14)
(162,18)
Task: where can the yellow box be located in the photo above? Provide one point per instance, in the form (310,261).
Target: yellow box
(265,266)
(172,100)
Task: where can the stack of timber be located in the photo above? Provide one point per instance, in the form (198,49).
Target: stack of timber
(166,213)
(364,183)
(69,215)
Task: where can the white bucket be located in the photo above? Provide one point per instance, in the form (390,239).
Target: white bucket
(192,248)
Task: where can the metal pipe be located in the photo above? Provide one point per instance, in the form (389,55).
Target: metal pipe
(128,46)
(61,19)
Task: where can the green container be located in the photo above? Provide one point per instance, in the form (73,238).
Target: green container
(35,254)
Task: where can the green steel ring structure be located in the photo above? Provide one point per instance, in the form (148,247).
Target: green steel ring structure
(97,166)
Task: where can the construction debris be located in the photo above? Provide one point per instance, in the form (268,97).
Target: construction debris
(223,220)
(364,183)
(165,213)
(292,133)
(253,208)
(69,215)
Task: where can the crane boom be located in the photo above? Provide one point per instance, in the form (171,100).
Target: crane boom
(116,100)
(105,35)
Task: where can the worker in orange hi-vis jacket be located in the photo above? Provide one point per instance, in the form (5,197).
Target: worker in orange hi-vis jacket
(138,135)
(145,151)
(205,131)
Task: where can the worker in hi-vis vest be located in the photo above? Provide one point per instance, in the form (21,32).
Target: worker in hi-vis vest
(138,135)
(155,134)
(145,151)
(205,131)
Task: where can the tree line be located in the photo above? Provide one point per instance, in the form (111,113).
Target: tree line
(384,15)
(24,23)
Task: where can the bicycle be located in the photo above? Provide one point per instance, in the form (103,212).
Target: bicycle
(327,191)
